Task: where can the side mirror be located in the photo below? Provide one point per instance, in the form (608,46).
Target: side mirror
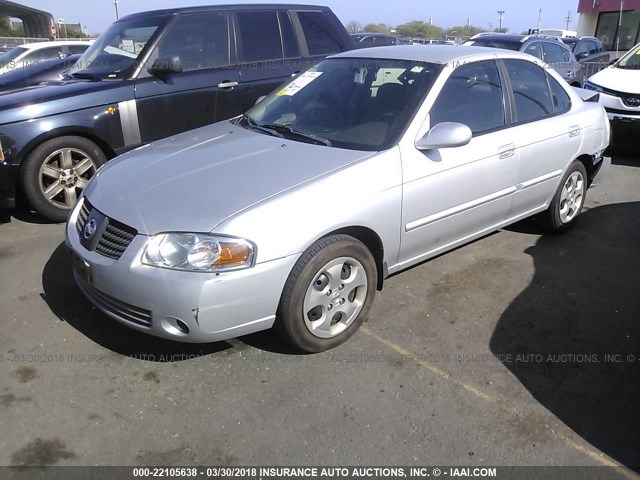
(165,65)
(582,56)
(260,98)
(445,135)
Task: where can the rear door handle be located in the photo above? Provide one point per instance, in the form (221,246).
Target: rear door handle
(574,130)
(507,151)
(227,84)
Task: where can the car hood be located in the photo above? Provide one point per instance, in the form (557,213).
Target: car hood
(59,97)
(193,181)
(618,79)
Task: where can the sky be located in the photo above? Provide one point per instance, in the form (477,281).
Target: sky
(519,15)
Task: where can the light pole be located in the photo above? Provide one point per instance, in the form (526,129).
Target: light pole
(61,22)
(115,4)
(500,15)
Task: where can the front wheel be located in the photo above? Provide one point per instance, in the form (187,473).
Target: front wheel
(567,202)
(56,172)
(328,294)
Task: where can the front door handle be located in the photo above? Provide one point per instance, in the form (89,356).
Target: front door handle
(227,84)
(507,151)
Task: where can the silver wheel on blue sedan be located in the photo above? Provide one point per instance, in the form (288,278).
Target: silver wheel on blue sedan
(567,203)
(55,173)
(328,294)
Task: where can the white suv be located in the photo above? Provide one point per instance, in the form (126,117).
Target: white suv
(619,87)
(29,53)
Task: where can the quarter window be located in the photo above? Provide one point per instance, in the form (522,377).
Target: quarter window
(534,49)
(260,36)
(472,95)
(560,98)
(320,33)
(530,90)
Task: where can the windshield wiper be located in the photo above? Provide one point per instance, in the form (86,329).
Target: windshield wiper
(288,131)
(246,120)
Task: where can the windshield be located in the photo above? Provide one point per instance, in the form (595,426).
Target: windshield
(359,104)
(115,54)
(631,60)
(11,55)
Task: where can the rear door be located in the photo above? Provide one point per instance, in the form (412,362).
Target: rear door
(546,134)
(204,92)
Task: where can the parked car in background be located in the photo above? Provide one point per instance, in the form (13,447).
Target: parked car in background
(267,219)
(151,75)
(45,71)
(619,89)
(548,49)
(589,52)
(365,40)
(29,53)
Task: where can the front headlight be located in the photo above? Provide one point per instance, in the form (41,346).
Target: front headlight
(592,86)
(198,252)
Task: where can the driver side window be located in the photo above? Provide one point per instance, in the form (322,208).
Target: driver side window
(472,95)
(201,41)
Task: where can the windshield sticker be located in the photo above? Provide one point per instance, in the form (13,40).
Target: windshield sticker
(360,76)
(299,83)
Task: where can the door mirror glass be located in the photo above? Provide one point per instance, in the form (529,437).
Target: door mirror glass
(165,65)
(445,135)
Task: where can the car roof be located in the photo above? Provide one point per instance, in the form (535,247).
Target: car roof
(239,6)
(509,37)
(36,45)
(430,53)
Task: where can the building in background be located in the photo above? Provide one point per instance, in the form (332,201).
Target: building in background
(615,22)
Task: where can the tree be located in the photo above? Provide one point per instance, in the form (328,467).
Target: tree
(354,27)
(376,28)
(501,30)
(419,29)
(464,31)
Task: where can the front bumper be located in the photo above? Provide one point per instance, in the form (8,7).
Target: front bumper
(618,112)
(8,178)
(162,302)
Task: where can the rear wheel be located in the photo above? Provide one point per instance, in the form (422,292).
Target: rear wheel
(328,294)
(567,202)
(56,172)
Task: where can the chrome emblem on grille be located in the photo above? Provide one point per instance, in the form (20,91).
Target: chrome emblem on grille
(633,102)
(90,228)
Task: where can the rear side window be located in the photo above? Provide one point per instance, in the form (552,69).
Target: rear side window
(559,97)
(473,96)
(530,90)
(260,35)
(320,33)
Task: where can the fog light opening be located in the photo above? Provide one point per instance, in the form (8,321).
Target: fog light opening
(183,327)
(175,326)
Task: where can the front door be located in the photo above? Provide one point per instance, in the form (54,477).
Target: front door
(453,194)
(206,89)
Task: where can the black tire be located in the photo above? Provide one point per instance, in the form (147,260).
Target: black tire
(34,183)
(290,320)
(552,219)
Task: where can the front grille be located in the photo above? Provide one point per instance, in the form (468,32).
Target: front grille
(121,310)
(115,238)
(83,216)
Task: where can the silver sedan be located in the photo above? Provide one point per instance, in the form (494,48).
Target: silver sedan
(293,214)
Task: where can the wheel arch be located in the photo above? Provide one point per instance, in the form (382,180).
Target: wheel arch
(591,169)
(372,241)
(67,132)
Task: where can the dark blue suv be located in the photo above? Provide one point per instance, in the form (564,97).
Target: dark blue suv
(149,76)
